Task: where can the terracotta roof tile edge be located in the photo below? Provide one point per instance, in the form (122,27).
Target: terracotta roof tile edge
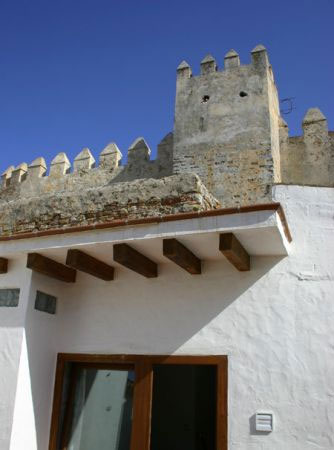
(158,219)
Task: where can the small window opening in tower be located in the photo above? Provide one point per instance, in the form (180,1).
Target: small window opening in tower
(243,94)
(205,98)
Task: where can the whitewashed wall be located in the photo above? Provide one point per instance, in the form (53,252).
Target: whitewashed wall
(31,421)
(12,322)
(275,323)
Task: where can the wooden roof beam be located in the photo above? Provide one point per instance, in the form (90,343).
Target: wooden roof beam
(234,251)
(182,256)
(80,260)
(49,267)
(133,260)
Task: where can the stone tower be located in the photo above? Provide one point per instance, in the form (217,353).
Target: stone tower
(227,127)
(228,149)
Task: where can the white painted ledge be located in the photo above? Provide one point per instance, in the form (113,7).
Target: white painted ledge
(260,232)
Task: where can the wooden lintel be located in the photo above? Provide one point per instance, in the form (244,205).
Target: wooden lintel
(182,256)
(3,265)
(50,268)
(79,260)
(133,260)
(234,251)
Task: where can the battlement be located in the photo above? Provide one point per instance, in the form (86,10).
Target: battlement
(209,66)
(228,134)
(308,159)
(62,175)
(226,127)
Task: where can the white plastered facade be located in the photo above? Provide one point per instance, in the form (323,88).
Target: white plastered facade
(274,323)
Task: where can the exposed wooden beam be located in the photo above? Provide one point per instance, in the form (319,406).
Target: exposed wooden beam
(3,265)
(50,268)
(133,260)
(180,255)
(79,260)
(234,251)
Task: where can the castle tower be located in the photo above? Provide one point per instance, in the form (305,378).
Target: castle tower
(226,127)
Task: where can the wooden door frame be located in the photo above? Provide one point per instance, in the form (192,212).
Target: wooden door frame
(142,401)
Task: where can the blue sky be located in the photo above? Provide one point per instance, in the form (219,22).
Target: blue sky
(77,74)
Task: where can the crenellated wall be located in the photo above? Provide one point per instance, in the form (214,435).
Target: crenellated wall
(33,180)
(308,160)
(226,127)
(228,131)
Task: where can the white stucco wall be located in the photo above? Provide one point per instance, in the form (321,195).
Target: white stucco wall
(275,324)
(12,321)
(23,433)
(31,420)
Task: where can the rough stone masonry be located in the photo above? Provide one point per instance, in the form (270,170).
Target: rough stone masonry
(229,147)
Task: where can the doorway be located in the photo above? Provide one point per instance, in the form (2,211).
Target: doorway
(183,407)
(138,402)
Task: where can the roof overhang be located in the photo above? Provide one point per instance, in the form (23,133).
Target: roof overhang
(261,229)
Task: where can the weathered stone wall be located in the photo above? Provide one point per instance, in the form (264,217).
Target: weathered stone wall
(226,127)
(227,130)
(126,200)
(27,181)
(309,159)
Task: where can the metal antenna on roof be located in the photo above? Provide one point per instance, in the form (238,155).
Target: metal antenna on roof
(288,105)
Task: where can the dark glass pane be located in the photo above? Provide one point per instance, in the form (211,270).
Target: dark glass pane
(100,412)
(184,407)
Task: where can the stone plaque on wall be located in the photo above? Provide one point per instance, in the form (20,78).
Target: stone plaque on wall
(45,303)
(9,297)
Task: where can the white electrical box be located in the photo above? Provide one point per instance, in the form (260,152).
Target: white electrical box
(264,422)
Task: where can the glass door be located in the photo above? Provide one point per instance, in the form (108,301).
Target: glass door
(183,407)
(139,402)
(98,413)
